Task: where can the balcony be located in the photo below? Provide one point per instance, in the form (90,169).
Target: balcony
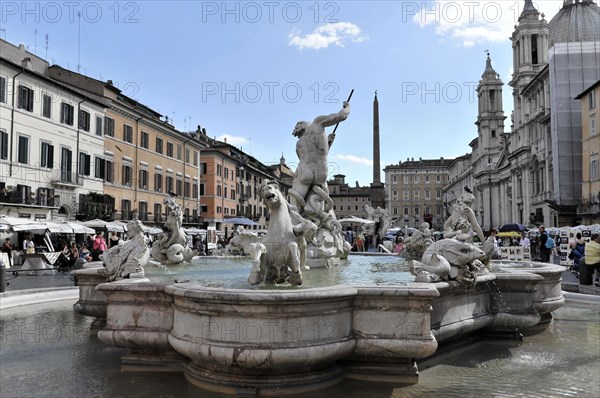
(19,198)
(64,178)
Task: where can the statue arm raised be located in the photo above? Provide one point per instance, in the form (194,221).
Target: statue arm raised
(334,118)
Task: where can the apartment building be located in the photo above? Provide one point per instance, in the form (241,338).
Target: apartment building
(50,134)
(414,191)
(145,159)
(348,201)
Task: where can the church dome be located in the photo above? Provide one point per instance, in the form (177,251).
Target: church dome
(577,21)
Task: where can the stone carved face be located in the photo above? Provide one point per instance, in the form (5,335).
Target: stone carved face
(269,193)
(299,129)
(135,227)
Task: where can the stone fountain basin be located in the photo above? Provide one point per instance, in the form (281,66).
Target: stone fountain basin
(294,340)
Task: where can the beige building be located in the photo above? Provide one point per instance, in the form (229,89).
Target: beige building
(414,191)
(145,158)
(348,201)
(589,208)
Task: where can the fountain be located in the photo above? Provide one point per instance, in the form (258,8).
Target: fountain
(287,339)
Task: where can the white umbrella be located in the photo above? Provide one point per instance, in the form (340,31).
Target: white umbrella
(356,220)
(79,228)
(59,228)
(97,223)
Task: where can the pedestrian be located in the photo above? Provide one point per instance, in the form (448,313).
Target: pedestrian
(525,242)
(26,243)
(592,257)
(99,246)
(545,245)
(7,247)
(114,238)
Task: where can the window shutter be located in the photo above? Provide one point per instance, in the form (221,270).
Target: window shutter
(50,156)
(88,160)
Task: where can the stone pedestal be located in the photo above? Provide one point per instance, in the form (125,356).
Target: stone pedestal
(140,317)
(392,326)
(91,302)
(280,342)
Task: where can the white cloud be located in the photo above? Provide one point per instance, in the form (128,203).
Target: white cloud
(338,34)
(232,140)
(475,22)
(354,159)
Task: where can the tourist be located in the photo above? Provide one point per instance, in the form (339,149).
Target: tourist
(7,247)
(525,242)
(99,246)
(73,254)
(399,246)
(114,239)
(544,250)
(592,257)
(84,253)
(26,243)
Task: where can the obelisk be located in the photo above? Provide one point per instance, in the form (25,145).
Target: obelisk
(377,188)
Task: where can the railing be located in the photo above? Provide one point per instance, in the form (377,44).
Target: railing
(65,177)
(17,197)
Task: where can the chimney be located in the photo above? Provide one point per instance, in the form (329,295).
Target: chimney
(26,63)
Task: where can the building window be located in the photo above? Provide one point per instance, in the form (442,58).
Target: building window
(84,120)
(219,172)
(405,179)
(98,167)
(66,113)
(125,209)
(416,194)
(159,145)
(179,187)
(109,171)
(187,155)
(157,212)
(594,169)
(438,193)
(169,184)
(158,186)
(186,189)
(592,126)
(416,210)
(178,151)
(592,99)
(47,155)
(427,194)
(66,165)
(126,175)
(143,215)
(2,89)
(84,164)
(127,133)
(170,149)
(406,211)
(195,158)
(3,145)
(144,140)
(25,98)
(143,183)
(23,150)
(202,189)
(109,126)
(99,125)
(46,106)
(405,194)
(416,178)
(195,191)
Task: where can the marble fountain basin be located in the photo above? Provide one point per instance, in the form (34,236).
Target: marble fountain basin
(272,342)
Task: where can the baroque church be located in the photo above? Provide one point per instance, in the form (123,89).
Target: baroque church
(528,169)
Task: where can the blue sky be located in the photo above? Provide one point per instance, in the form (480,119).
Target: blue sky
(249,71)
